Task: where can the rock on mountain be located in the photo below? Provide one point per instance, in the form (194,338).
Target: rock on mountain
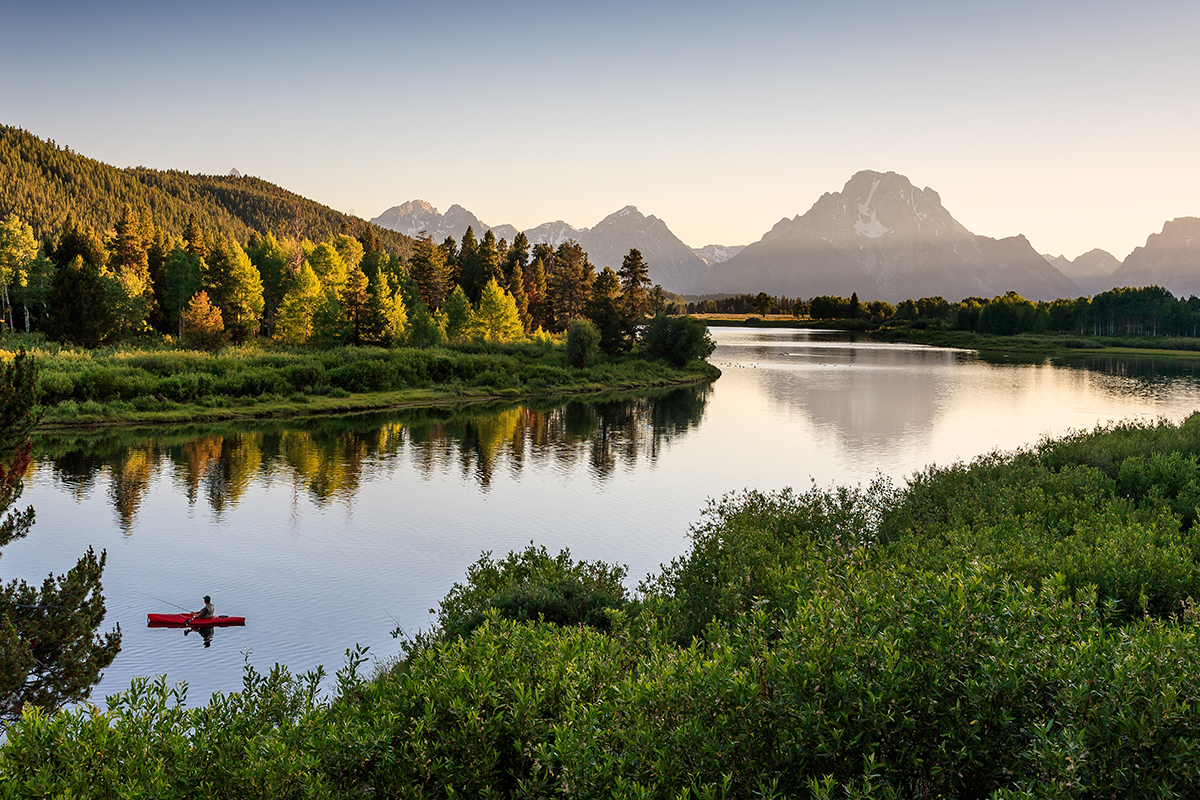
(671,262)
(416,215)
(886,239)
(1170,259)
(1092,271)
(713,254)
(553,233)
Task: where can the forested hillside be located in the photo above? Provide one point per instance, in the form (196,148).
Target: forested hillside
(43,184)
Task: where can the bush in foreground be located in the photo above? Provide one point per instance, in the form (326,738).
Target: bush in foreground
(1021,626)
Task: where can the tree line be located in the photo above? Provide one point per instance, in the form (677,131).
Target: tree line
(1127,311)
(205,288)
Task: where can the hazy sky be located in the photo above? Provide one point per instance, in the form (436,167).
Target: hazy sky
(1074,123)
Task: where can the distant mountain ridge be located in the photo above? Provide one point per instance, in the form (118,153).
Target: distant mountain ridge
(880,237)
(1092,271)
(886,239)
(672,263)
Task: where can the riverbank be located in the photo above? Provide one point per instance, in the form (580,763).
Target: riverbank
(163,386)
(1046,344)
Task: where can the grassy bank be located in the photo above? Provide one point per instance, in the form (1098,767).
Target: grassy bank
(170,386)
(1022,626)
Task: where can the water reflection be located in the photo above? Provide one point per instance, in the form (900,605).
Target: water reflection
(331,458)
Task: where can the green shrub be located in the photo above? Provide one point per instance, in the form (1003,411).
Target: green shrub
(583,342)
(677,339)
(531,584)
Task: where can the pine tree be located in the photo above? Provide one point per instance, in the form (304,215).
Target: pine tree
(194,237)
(50,653)
(470,267)
(203,326)
(181,282)
(79,304)
(604,309)
(570,283)
(457,310)
(540,311)
(516,288)
(428,269)
(635,281)
(518,254)
(355,299)
(387,317)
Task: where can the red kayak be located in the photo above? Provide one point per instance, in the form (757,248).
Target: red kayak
(190,621)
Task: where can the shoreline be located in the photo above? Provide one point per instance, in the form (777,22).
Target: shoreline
(355,403)
(1048,345)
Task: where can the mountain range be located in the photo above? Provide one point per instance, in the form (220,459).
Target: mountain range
(880,236)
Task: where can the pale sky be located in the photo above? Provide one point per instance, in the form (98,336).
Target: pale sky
(1074,123)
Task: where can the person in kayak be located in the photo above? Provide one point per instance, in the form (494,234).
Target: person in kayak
(208,611)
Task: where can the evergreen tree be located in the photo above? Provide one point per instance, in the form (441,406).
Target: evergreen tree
(470,267)
(50,653)
(294,321)
(536,287)
(386,317)
(604,309)
(457,310)
(516,288)
(570,283)
(518,254)
(128,250)
(158,250)
(79,304)
(355,299)
(203,326)
(78,241)
(428,270)
(497,318)
(330,325)
(635,280)
(277,263)
(180,284)
(194,237)
(450,255)
(424,328)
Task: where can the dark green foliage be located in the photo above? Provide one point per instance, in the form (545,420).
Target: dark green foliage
(533,585)
(80,305)
(678,339)
(583,342)
(45,185)
(49,652)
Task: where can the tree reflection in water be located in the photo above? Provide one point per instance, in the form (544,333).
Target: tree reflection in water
(330,458)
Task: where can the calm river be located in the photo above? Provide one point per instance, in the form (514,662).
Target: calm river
(323,532)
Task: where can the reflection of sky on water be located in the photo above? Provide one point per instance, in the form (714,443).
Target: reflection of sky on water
(351,522)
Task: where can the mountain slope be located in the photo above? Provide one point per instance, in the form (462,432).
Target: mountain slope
(884,238)
(1092,271)
(42,183)
(672,263)
(1170,259)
